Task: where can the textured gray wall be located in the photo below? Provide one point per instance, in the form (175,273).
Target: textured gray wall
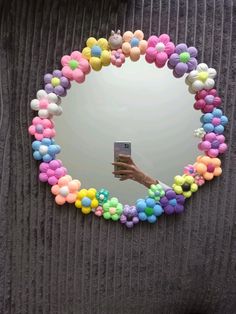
(55,260)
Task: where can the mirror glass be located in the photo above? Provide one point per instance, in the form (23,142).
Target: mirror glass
(138,103)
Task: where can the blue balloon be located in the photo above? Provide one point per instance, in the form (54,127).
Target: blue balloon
(141,205)
(37,155)
(208,117)
(158,210)
(208,127)
(142,216)
(173,202)
(134,42)
(201,119)
(47,158)
(86,202)
(46,141)
(150,202)
(217,113)
(152,219)
(96,51)
(36,145)
(224,120)
(219,129)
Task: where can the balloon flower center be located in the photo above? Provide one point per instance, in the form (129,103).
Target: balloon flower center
(55,81)
(134,42)
(112,210)
(86,202)
(186,187)
(101,197)
(209,99)
(203,76)
(173,202)
(160,47)
(73,64)
(39,128)
(210,168)
(184,57)
(149,211)
(64,191)
(96,51)
(215,144)
(117,55)
(43,149)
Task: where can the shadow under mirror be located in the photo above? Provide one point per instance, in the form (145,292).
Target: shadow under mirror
(138,103)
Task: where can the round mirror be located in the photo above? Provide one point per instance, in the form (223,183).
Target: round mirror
(138,103)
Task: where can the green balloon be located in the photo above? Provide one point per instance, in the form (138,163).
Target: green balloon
(149,211)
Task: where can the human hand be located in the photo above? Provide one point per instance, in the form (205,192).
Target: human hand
(131,171)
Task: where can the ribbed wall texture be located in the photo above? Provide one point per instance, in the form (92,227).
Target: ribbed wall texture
(55,260)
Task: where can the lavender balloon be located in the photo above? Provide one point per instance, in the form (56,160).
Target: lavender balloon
(129,216)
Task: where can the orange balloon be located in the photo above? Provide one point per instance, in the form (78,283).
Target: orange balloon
(217,171)
(126,48)
(135,54)
(208,176)
(143,46)
(127,36)
(60,200)
(201,168)
(139,34)
(71,198)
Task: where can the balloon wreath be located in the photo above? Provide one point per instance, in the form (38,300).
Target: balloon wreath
(182,60)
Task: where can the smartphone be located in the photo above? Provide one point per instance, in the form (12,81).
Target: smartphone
(121,148)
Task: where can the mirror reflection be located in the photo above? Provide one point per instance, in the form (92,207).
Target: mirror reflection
(139,104)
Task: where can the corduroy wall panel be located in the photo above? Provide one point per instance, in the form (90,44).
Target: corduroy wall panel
(54,259)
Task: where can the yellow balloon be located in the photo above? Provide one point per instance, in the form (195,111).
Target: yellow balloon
(189,179)
(78,204)
(177,189)
(94,203)
(103,43)
(86,52)
(194,187)
(96,63)
(187,194)
(91,193)
(86,210)
(82,193)
(105,57)
(91,42)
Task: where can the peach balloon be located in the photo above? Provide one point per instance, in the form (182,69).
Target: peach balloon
(135,54)
(143,46)
(127,36)
(139,34)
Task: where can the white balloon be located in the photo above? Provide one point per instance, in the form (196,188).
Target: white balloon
(212,73)
(34,104)
(202,67)
(209,83)
(41,94)
(193,75)
(52,98)
(197,85)
(43,113)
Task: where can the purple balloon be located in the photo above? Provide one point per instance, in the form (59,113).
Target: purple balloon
(49,88)
(47,78)
(181,68)
(57,73)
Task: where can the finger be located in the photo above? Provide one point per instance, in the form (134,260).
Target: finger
(125,158)
(122,164)
(126,177)
(122,172)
